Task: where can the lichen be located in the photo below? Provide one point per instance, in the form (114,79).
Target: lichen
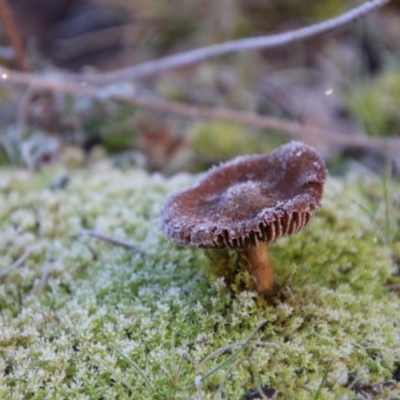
(85,319)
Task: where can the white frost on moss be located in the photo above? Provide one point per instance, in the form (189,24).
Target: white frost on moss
(106,322)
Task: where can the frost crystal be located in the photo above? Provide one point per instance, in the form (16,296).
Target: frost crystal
(82,319)
(247,200)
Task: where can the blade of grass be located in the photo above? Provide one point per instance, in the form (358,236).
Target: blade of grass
(368,212)
(233,345)
(134,366)
(117,376)
(233,355)
(323,380)
(173,363)
(387,211)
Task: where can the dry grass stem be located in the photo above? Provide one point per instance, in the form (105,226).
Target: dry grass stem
(112,240)
(255,43)
(91,41)
(232,346)
(47,266)
(197,382)
(60,83)
(18,263)
(13,34)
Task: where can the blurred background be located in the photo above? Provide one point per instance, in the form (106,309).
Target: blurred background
(346,82)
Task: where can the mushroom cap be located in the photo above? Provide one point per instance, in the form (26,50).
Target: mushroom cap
(248,200)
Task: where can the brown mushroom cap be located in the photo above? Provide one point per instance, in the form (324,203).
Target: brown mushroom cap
(248,200)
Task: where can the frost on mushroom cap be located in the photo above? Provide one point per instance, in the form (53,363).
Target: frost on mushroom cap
(248,200)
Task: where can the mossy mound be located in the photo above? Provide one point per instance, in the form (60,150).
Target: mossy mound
(376,104)
(87,320)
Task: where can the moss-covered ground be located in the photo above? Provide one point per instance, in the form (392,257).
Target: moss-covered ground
(84,319)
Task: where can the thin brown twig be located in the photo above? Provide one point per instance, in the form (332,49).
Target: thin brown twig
(13,34)
(58,82)
(45,273)
(112,240)
(293,129)
(234,46)
(17,263)
(91,41)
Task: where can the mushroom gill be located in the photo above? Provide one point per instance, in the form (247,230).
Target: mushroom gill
(248,202)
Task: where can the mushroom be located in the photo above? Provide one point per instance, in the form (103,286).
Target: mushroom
(248,202)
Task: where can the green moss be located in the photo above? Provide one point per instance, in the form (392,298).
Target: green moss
(327,9)
(85,319)
(220,140)
(114,126)
(376,104)
(266,16)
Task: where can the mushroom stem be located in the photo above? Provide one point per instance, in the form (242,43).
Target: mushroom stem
(260,267)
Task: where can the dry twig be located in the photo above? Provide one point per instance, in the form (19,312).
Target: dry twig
(92,41)
(13,34)
(112,240)
(255,43)
(293,129)
(17,263)
(78,85)
(45,273)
